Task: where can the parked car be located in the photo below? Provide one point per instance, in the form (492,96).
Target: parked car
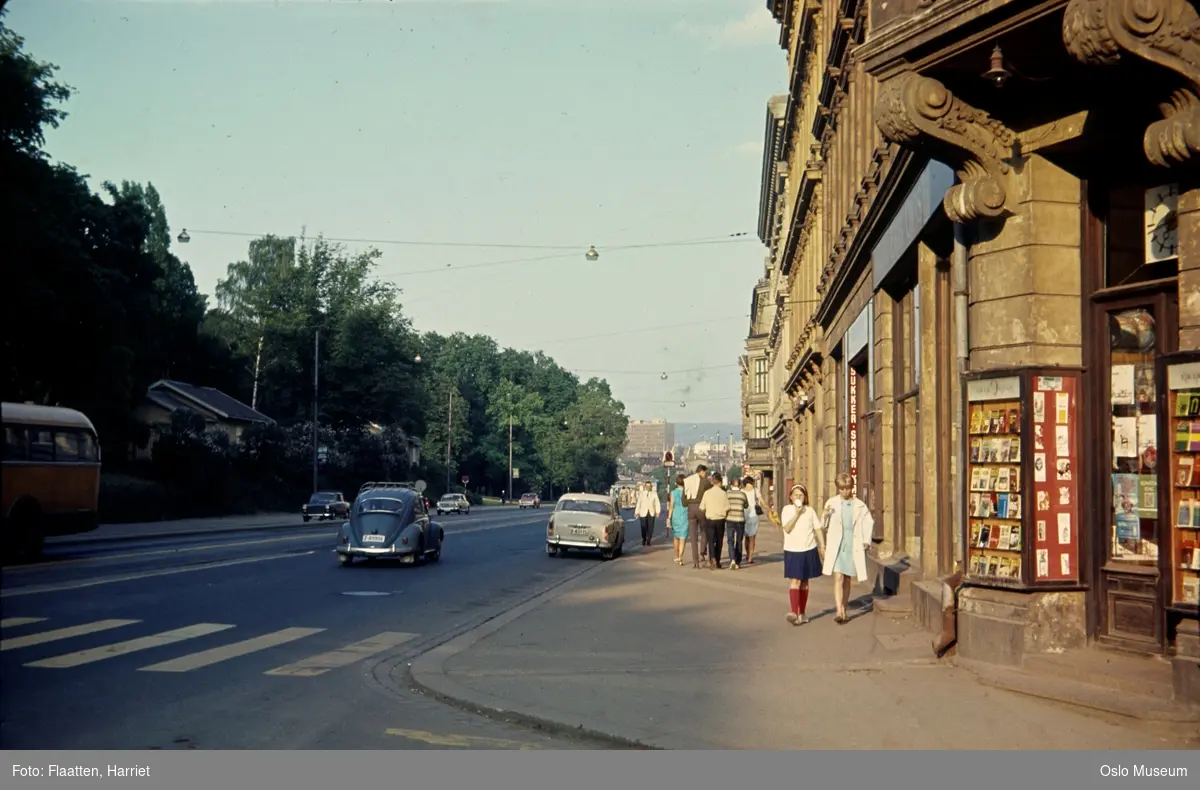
(390,521)
(326,504)
(453,503)
(588,522)
(529,500)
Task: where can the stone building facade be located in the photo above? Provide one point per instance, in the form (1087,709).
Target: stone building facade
(987,295)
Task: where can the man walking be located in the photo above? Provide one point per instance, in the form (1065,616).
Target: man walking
(647,510)
(735,522)
(694,487)
(715,504)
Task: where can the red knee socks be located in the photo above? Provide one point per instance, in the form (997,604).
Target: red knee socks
(794,595)
(802,599)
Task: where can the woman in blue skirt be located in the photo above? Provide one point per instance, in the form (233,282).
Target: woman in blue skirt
(677,519)
(803,546)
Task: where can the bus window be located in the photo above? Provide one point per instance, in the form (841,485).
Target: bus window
(66,446)
(16,443)
(41,445)
(89,450)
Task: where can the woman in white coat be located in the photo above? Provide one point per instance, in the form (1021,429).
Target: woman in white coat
(848,528)
(647,510)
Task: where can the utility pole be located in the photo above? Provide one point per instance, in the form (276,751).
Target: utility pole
(316,378)
(510,477)
(449,430)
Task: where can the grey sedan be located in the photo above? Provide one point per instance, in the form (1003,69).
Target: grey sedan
(389,522)
(586,522)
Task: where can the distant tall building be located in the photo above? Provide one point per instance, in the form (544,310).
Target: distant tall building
(649,437)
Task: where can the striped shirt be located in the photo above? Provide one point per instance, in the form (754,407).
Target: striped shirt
(739,503)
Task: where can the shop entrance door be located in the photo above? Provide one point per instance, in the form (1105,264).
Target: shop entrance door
(1131,538)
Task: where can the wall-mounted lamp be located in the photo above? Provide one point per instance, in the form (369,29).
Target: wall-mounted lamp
(997,74)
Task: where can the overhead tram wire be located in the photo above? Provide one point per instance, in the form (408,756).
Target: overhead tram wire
(730,238)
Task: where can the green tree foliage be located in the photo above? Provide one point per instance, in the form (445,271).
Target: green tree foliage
(106,308)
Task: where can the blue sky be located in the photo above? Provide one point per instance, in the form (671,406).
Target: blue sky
(523,122)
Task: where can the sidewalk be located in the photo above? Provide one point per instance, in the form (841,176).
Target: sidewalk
(677,658)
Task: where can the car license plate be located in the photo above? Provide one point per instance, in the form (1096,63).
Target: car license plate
(374,538)
(579,530)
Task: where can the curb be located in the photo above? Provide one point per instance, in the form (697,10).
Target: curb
(72,540)
(188,533)
(427,673)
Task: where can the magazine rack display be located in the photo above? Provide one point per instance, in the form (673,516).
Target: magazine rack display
(1022,508)
(1183,436)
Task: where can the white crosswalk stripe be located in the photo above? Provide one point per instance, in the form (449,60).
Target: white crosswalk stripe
(62,633)
(312,666)
(319,665)
(94,654)
(225,652)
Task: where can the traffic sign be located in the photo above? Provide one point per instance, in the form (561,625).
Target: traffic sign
(465,479)
(668,459)
(516,473)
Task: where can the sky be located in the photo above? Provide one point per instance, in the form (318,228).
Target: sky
(529,128)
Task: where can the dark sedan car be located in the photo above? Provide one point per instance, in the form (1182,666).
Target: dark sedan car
(326,504)
(389,521)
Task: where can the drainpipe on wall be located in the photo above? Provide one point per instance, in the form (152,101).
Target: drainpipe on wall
(959,283)
(951,583)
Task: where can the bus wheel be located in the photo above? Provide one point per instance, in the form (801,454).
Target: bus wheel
(26,537)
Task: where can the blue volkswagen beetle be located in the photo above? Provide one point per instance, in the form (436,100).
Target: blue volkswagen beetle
(389,521)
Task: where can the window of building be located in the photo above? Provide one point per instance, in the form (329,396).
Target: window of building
(760,376)
(760,426)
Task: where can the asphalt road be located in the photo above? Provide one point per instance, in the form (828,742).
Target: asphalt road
(259,640)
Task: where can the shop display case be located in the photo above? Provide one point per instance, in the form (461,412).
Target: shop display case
(1022,480)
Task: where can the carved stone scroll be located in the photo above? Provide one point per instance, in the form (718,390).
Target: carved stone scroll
(921,112)
(1164,32)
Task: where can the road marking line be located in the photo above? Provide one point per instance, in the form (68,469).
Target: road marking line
(10,622)
(464,741)
(157,552)
(94,654)
(49,588)
(206,658)
(344,656)
(62,633)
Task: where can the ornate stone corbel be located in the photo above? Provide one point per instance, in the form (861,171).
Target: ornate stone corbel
(1164,32)
(921,112)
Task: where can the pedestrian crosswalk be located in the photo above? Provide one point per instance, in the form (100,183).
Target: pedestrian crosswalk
(153,644)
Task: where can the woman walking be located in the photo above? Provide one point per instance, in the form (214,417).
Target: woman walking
(849,528)
(647,510)
(677,519)
(803,546)
(753,511)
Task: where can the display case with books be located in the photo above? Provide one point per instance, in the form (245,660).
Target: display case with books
(1183,435)
(1021,457)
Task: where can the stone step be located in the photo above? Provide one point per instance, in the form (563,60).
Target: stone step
(1128,674)
(894,605)
(1083,695)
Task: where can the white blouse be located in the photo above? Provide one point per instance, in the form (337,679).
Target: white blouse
(803,536)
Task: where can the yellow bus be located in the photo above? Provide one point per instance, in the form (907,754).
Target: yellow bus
(51,477)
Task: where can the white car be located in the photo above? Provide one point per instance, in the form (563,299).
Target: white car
(453,503)
(586,522)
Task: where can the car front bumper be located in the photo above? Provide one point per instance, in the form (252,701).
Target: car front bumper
(375,551)
(580,542)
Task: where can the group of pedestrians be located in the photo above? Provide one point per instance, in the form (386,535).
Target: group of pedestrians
(703,511)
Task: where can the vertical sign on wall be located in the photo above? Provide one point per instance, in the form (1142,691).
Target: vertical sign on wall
(852,418)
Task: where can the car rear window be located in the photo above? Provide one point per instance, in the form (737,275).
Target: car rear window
(585,506)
